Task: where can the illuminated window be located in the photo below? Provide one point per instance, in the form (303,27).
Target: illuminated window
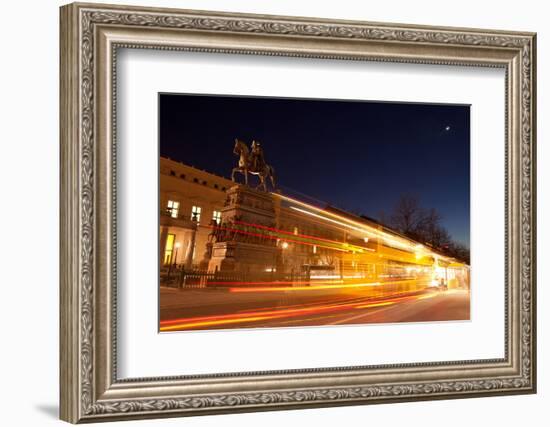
(217,216)
(295,230)
(173,208)
(196,213)
(169,248)
(314,249)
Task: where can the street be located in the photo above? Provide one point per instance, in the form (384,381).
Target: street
(199,309)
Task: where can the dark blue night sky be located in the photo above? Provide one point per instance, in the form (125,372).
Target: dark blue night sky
(359,156)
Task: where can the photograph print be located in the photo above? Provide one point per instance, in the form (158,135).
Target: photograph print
(291,212)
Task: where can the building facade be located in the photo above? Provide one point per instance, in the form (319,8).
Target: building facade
(190,200)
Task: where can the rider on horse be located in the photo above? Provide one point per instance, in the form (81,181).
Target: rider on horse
(252,161)
(257,161)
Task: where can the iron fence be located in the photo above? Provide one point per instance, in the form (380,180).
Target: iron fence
(180,277)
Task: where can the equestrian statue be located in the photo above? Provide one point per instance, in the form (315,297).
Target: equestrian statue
(251,161)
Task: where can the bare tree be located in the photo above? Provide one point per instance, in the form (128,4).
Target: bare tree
(407,216)
(439,238)
(430,229)
(429,223)
(411,219)
(423,225)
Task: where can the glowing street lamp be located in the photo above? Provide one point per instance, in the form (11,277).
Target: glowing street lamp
(284,245)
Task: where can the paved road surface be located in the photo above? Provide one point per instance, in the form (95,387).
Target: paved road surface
(222,309)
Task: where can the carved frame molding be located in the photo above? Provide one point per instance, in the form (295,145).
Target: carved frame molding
(90,37)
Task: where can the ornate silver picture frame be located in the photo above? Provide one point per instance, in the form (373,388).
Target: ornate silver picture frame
(91,35)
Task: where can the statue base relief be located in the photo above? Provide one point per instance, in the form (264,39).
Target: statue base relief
(242,244)
(240,257)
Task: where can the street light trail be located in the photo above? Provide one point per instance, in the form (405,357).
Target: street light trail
(316,286)
(279,238)
(346,222)
(285,313)
(305,236)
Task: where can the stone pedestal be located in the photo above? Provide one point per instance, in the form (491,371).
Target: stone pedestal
(240,257)
(243,243)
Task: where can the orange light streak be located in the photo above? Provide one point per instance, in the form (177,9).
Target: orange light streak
(267,236)
(349,223)
(314,287)
(392,239)
(362,230)
(189,323)
(380,304)
(211,323)
(428,296)
(274,282)
(303,288)
(305,236)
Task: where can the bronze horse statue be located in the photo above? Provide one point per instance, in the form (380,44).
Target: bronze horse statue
(250,163)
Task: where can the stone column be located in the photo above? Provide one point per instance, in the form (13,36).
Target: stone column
(162,244)
(190,250)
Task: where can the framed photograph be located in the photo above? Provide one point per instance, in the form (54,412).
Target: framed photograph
(266,212)
(262,252)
